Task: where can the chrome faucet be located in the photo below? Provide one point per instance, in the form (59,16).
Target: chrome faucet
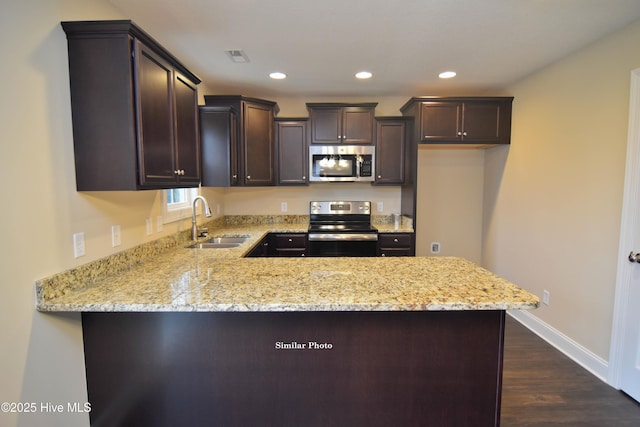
(195,231)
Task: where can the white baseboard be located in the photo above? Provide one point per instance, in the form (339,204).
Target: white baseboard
(583,357)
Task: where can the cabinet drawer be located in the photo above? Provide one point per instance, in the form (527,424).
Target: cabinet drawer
(385,252)
(281,241)
(394,240)
(291,252)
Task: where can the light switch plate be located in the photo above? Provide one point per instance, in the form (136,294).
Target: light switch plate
(149,226)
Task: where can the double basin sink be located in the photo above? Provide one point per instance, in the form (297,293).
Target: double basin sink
(220,243)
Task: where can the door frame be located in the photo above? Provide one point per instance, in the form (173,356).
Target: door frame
(628,228)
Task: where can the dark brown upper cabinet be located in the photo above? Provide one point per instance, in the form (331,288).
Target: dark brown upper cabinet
(480,121)
(219,140)
(249,144)
(391,143)
(134,110)
(293,157)
(337,123)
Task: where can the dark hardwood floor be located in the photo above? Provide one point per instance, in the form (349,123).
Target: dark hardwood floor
(543,387)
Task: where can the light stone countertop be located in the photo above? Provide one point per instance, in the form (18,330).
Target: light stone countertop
(169,276)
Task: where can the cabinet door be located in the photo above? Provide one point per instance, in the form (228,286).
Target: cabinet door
(217,128)
(154,119)
(234,151)
(357,125)
(258,145)
(390,152)
(187,147)
(441,121)
(293,161)
(481,122)
(326,125)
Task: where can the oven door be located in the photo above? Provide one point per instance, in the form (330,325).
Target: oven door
(343,244)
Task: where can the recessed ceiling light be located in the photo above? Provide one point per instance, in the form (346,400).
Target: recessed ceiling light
(447,74)
(278,75)
(363,75)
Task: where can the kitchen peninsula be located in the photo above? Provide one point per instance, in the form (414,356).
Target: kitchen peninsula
(208,337)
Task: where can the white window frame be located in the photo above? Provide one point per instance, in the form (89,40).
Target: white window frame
(178,211)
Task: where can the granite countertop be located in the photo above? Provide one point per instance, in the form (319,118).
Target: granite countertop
(169,276)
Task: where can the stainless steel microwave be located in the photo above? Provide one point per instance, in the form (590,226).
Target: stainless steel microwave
(328,163)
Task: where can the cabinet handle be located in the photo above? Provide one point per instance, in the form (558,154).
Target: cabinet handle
(383,254)
(304,177)
(379,176)
(395,240)
(248,176)
(290,240)
(464,134)
(459,133)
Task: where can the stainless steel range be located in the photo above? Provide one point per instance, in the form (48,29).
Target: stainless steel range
(341,228)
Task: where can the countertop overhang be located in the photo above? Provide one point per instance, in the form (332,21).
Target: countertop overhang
(184,279)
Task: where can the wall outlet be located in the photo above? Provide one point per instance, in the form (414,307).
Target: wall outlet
(149,226)
(78,245)
(283,207)
(159,223)
(380,206)
(435,247)
(218,208)
(115,236)
(545,297)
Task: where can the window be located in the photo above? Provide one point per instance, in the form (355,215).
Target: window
(176,203)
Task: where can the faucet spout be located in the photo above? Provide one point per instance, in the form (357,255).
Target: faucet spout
(195,231)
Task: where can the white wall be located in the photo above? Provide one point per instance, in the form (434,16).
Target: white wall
(449,202)
(266,200)
(553,198)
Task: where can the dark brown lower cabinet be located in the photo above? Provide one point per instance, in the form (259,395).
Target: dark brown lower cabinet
(396,244)
(441,368)
(288,244)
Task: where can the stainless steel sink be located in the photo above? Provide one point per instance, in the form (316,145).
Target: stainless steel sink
(220,243)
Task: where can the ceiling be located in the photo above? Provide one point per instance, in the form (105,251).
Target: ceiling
(404,43)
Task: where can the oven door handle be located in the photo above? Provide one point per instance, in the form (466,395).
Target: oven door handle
(350,237)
